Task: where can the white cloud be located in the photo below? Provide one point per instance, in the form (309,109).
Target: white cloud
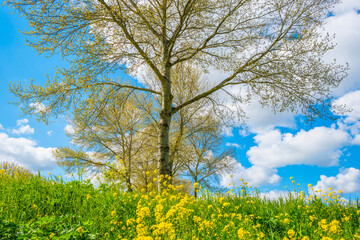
(49,133)
(25,152)
(216,76)
(255,176)
(345,25)
(1,127)
(350,120)
(23,129)
(258,118)
(227,131)
(233,145)
(39,107)
(21,122)
(352,128)
(347,6)
(319,146)
(356,140)
(348,180)
(263,119)
(351,102)
(69,129)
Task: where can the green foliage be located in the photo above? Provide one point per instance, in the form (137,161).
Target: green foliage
(35,207)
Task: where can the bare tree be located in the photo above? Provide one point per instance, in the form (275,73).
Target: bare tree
(203,158)
(273,48)
(107,134)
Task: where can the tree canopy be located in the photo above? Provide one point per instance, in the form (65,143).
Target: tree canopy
(115,135)
(271,48)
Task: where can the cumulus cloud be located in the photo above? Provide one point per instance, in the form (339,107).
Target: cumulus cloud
(49,133)
(26,129)
(25,152)
(347,6)
(263,119)
(356,140)
(69,129)
(227,131)
(350,120)
(22,122)
(319,146)
(258,118)
(255,176)
(23,127)
(233,145)
(351,102)
(345,25)
(348,180)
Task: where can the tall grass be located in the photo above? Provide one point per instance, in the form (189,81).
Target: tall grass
(34,207)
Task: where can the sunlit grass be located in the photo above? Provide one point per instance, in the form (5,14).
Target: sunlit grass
(34,207)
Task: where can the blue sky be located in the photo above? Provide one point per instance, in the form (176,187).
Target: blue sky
(274,147)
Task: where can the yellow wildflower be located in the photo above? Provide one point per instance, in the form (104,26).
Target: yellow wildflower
(225,204)
(291,233)
(286,221)
(243,234)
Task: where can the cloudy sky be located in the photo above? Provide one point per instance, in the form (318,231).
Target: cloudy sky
(274,147)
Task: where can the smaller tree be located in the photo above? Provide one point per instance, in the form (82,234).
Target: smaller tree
(203,158)
(107,134)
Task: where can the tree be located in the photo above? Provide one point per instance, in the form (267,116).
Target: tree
(116,133)
(203,159)
(273,48)
(109,135)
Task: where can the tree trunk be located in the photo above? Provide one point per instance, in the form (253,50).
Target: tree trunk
(165,120)
(195,188)
(128,176)
(128,184)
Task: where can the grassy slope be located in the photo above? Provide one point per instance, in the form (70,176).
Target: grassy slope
(32,207)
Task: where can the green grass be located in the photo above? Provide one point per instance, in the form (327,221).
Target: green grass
(32,207)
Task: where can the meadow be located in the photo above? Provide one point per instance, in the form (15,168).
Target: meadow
(36,207)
